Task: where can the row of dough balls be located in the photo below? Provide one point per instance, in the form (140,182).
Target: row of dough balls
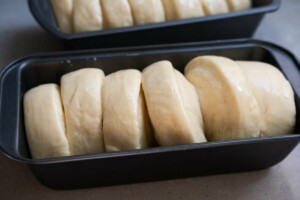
(91,15)
(218,99)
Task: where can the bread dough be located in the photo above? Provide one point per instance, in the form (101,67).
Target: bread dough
(212,7)
(126,124)
(236,5)
(147,11)
(116,13)
(63,10)
(81,95)
(274,96)
(173,105)
(229,108)
(87,15)
(45,123)
(179,9)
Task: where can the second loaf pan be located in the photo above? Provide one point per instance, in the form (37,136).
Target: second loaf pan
(241,24)
(146,164)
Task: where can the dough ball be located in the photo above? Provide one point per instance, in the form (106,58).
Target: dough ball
(212,7)
(87,15)
(147,11)
(63,10)
(173,105)
(236,5)
(116,13)
(126,123)
(45,123)
(178,9)
(229,108)
(274,96)
(81,95)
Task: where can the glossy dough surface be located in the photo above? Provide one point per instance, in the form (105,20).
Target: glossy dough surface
(81,95)
(147,11)
(274,96)
(44,122)
(126,123)
(229,108)
(173,105)
(87,15)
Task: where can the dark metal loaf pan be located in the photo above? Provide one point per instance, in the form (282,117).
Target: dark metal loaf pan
(146,164)
(240,24)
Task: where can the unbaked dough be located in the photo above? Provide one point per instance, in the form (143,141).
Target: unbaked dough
(147,11)
(180,9)
(229,108)
(63,10)
(116,13)
(87,15)
(45,123)
(81,95)
(126,124)
(212,7)
(274,96)
(173,105)
(236,5)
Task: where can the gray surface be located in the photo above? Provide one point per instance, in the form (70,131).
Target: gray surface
(283,27)
(20,36)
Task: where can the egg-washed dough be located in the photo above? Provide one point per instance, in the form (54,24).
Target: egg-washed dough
(173,105)
(126,124)
(236,5)
(87,15)
(212,7)
(179,9)
(45,123)
(229,108)
(147,11)
(81,95)
(116,13)
(63,10)
(274,96)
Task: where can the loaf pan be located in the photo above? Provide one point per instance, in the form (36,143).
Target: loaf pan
(241,24)
(150,164)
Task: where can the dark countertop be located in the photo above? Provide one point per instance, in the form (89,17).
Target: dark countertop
(20,35)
